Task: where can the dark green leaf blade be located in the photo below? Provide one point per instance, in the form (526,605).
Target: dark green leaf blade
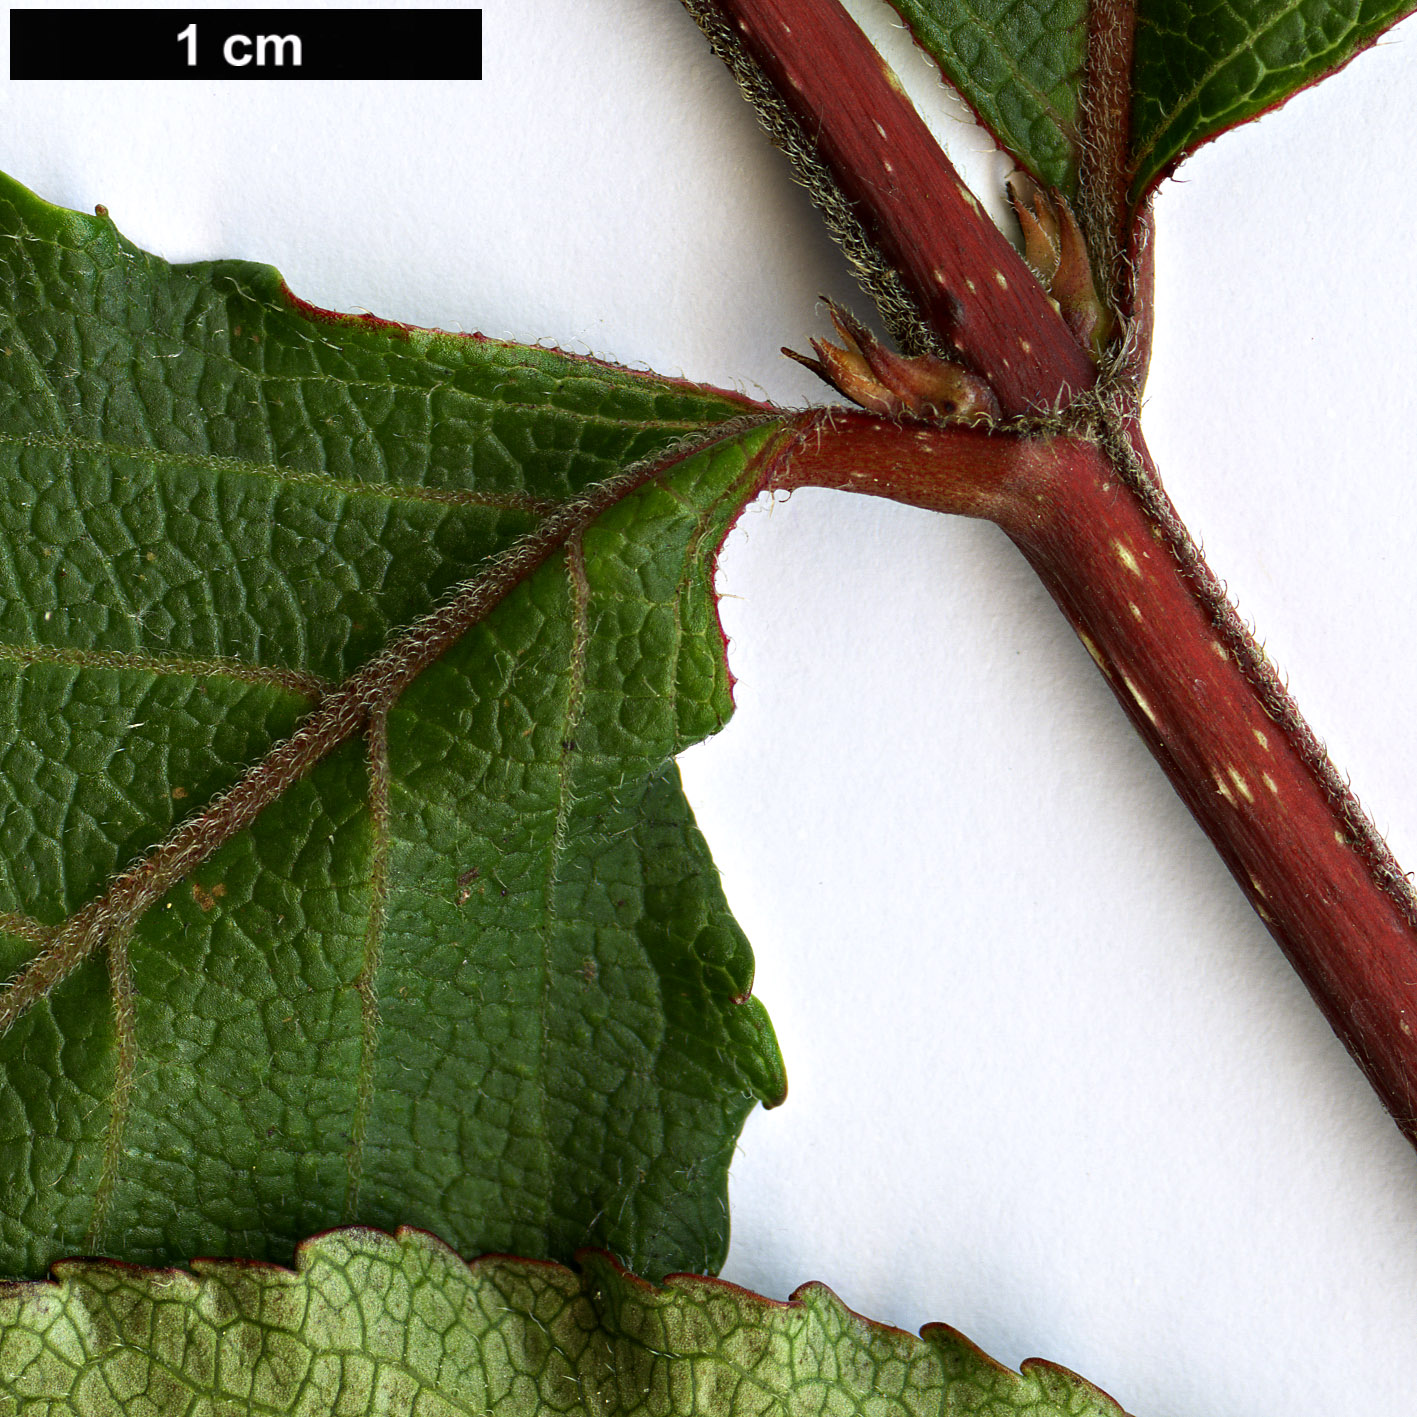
(377,1323)
(1019,64)
(1202,68)
(469,964)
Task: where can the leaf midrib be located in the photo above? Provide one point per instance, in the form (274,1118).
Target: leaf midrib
(343,711)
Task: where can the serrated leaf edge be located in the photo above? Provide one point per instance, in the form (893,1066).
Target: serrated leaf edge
(1038,1386)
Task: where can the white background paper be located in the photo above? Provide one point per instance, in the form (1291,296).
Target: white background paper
(1051,1081)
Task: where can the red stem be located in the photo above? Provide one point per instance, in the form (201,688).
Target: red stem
(969,283)
(1198,690)
(1089,514)
(951,468)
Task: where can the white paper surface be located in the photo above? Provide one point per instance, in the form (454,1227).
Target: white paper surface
(1051,1081)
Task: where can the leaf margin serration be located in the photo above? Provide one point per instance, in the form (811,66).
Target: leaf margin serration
(368,1321)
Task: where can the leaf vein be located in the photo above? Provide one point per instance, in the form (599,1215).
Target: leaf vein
(296,681)
(367,982)
(579,589)
(341,713)
(1144,149)
(389,492)
(1002,50)
(125,1064)
(25,927)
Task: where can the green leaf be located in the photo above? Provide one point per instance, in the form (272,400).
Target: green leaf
(1019,64)
(1203,67)
(372,1323)
(345,874)
(1197,70)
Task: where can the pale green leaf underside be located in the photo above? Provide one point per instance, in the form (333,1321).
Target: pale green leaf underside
(1206,66)
(473,970)
(372,1323)
(1019,65)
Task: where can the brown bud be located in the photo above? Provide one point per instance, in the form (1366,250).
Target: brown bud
(847,370)
(1054,246)
(1041,247)
(885,382)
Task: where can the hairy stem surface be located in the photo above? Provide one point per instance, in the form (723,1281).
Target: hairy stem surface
(1076,491)
(1089,517)
(926,248)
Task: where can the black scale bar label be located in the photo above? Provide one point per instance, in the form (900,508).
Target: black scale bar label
(246,44)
